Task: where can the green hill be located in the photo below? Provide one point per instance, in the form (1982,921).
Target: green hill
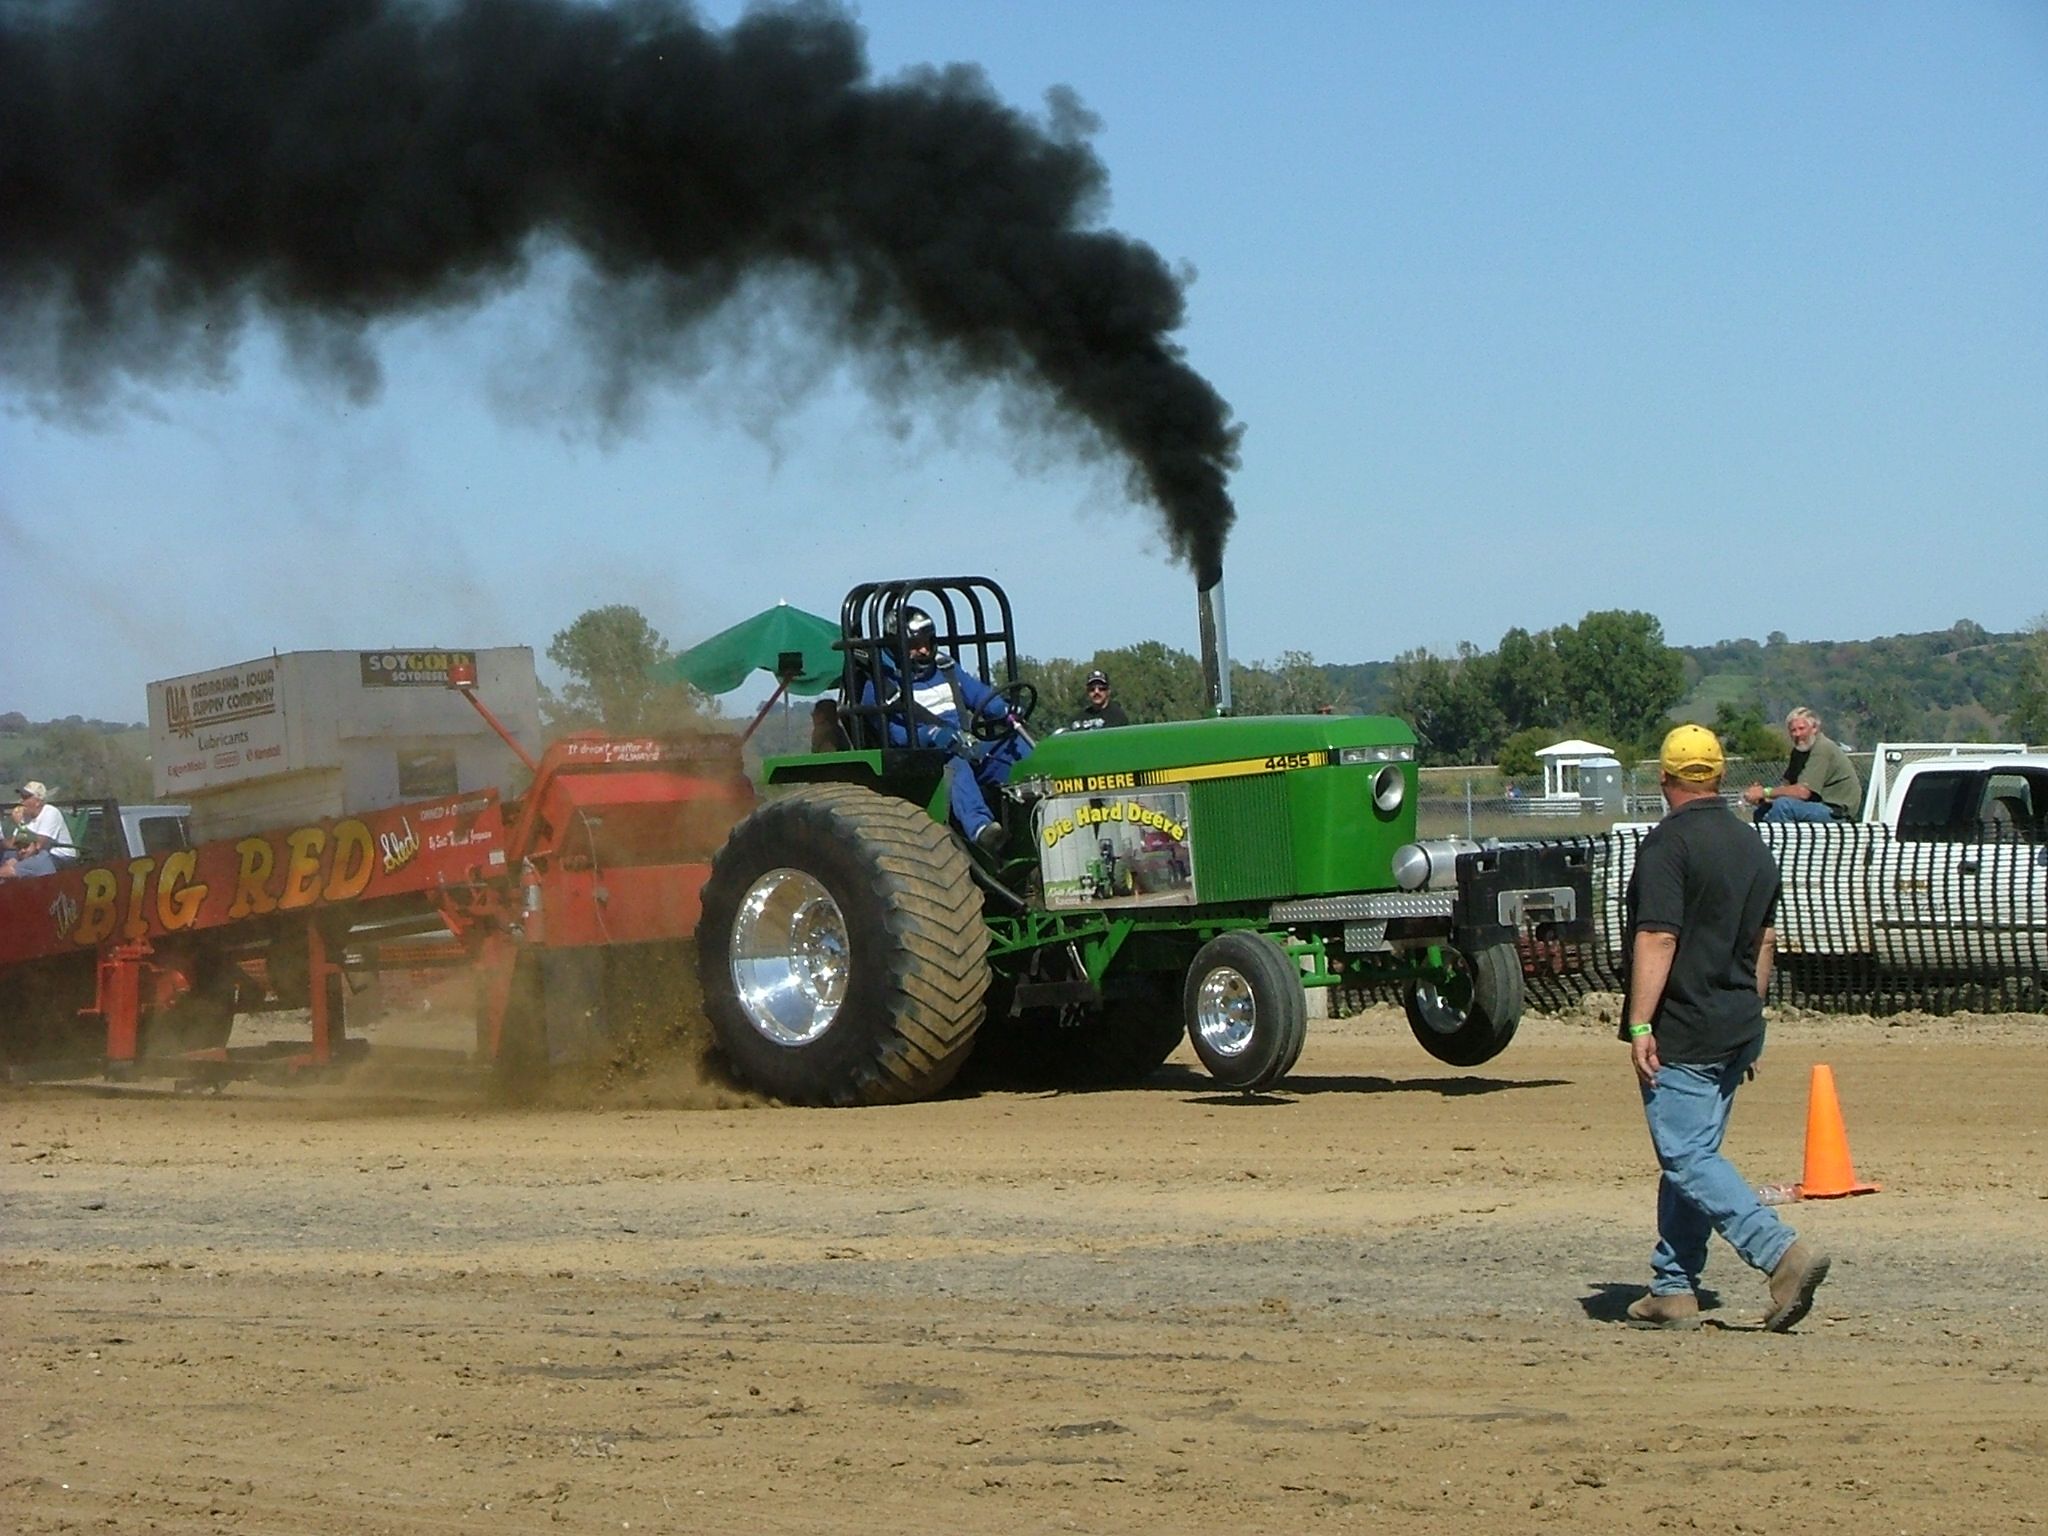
(1957,684)
(78,759)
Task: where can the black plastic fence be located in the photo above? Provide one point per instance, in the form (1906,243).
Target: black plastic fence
(1869,923)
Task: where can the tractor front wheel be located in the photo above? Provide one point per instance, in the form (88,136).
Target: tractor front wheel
(1247,1016)
(842,952)
(1468,1015)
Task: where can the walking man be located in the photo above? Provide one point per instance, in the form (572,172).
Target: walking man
(1701,904)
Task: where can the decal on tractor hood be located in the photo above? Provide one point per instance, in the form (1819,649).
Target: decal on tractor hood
(1126,850)
(1238,768)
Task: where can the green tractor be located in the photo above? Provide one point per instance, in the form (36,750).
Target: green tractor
(1150,881)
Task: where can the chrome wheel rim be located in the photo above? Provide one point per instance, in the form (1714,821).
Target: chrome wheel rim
(1226,1013)
(789,957)
(1444,1009)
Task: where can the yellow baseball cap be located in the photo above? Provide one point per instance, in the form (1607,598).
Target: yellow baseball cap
(1692,753)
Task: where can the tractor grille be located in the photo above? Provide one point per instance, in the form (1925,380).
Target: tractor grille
(1244,842)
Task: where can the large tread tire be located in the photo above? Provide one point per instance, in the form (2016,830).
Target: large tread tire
(1246,1012)
(1471,1019)
(916,961)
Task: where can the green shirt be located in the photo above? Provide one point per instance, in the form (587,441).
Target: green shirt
(1824,768)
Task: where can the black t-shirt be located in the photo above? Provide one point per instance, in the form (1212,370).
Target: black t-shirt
(1707,877)
(1094,719)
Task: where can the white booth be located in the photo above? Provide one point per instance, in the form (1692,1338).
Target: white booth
(1578,776)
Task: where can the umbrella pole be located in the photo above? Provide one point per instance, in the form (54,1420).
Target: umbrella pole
(781,687)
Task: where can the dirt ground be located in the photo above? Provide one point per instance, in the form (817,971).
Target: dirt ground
(1384,1299)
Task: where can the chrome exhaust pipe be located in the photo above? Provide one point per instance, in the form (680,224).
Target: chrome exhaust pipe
(1215,646)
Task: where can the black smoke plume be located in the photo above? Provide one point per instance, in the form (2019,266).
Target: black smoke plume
(172,169)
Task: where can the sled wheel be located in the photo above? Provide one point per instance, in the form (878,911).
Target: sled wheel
(842,952)
(1247,1016)
(43,1025)
(1468,1016)
(200,1020)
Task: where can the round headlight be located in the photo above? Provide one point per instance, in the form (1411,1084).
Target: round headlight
(1389,789)
(1411,867)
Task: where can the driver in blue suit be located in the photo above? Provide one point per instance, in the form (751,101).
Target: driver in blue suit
(947,701)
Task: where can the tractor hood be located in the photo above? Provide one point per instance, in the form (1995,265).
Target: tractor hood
(1270,807)
(1237,745)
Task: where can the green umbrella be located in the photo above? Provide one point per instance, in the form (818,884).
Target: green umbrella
(790,645)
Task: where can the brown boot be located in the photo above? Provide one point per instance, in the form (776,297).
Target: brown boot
(1681,1309)
(1793,1283)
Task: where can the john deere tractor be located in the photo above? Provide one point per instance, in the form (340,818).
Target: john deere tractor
(1151,881)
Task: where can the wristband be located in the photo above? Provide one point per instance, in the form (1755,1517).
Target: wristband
(1637,1031)
(1769,793)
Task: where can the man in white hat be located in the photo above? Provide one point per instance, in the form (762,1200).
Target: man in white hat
(42,840)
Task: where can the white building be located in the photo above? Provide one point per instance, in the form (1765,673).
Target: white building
(1579,774)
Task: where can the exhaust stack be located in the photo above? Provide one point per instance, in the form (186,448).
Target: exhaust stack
(1215,646)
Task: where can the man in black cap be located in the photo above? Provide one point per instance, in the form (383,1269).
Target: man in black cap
(1102,709)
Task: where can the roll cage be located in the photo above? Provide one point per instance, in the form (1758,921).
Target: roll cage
(972,617)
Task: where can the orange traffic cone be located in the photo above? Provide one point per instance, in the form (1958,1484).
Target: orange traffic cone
(1829,1173)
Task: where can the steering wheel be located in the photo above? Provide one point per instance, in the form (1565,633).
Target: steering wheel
(1020,697)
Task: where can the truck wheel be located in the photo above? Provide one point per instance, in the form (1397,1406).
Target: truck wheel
(1247,1016)
(1469,1016)
(841,951)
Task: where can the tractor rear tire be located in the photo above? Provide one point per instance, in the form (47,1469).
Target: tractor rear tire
(1470,1018)
(842,953)
(1247,1016)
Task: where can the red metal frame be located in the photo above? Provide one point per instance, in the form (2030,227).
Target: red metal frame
(556,877)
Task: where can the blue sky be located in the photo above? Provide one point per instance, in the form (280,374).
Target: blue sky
(1736,313)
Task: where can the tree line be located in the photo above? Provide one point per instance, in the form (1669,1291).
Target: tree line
(610,658)
(1610,677)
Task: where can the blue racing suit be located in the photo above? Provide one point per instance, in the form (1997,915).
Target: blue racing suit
(947,699)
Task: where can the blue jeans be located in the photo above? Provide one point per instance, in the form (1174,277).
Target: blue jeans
(969,784)
(1790,808)
(1701,1192)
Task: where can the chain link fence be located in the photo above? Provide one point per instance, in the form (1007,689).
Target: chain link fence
(1481,803)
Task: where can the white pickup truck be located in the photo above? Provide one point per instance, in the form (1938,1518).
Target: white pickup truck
(1946,873)
(1943,878)
(105,831)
